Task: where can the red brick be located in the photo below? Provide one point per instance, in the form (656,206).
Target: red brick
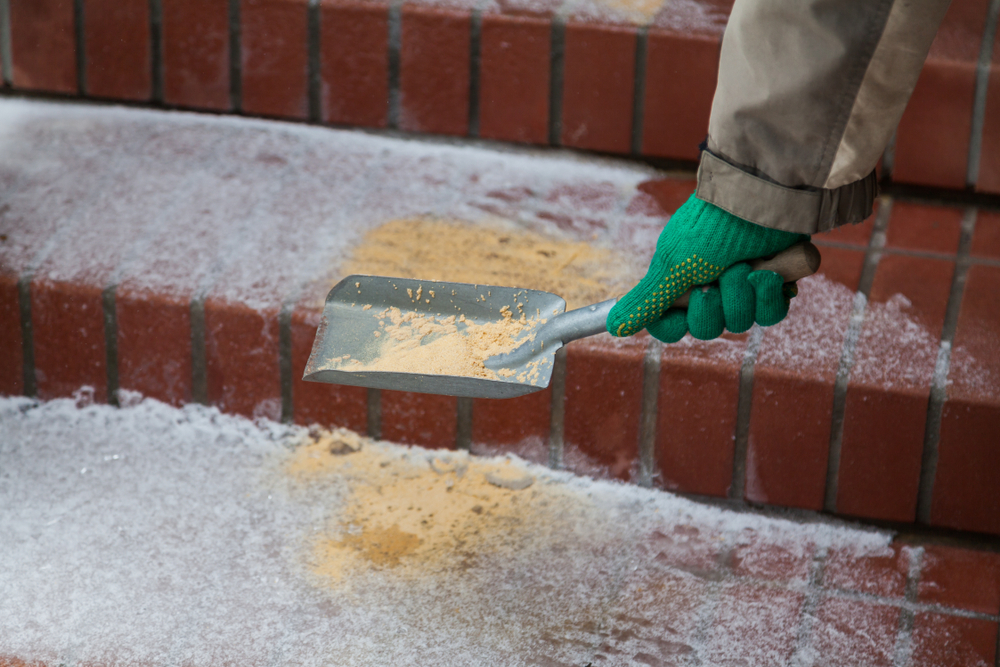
(661,197)
(764,558)
(966,489)
(427,420)
(953,640)
(117,49)
(850,633)
(10,661)
(603,406)
(882,572)
(241,359)
(354,59)
(520,425)
(154,344)
(68,335)
(11,350)
(754,626)
(855,235)
(696,428)
(790,416)
(654,619)
(886,403)
(317,402)
(989,159)
(681,72)
(514,78)
(682,546)
(274,46)
(932,140)
(598,87)
(960,578)
(986,237)
(922,227)
(196,53)
(434,70)
(43,45)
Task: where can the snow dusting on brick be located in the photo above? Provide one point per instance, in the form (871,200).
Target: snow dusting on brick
(155,535)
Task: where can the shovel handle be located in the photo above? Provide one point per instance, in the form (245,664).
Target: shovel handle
(795,263)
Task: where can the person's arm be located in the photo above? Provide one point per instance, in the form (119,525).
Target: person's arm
(808,96)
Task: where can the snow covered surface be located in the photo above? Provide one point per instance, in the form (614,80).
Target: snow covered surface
(155,535)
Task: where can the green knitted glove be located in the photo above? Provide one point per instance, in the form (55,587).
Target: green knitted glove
(702,243)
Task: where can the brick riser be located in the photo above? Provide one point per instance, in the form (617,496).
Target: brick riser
(612,81)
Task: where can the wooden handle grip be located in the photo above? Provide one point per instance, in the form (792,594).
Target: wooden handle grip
(797,262)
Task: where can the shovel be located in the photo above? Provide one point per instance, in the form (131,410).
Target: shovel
(377,331)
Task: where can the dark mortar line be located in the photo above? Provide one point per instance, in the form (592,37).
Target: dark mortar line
(737,487)
(813,596)
(813,585)
(81,46)
(904,637)
(156,49)
(27,333)
(235,57)
(650,403)
(979,100)
(873,254)
(285,360)
(557,415)
(713,594)
(463,426)
(5,50)
(939,390)
(556,64)
(199,357)
(111,341)
(639,94)
(901,603)
(374,415)
(314,67)
(936,196)
(395,45)
(475,54)
(889,157)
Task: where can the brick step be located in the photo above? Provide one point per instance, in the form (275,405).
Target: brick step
(598,75)
(186,257)
(147,535)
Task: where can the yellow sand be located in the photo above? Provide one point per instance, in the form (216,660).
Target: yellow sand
(483,255)
(418,512)
(458,351)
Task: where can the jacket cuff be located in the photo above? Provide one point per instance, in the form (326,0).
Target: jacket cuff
(766,203)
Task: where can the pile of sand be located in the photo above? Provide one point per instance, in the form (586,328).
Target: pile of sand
(483,255)
(419,511)
(411,342)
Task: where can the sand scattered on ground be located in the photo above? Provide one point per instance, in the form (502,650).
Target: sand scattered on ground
(481,254)
(417,512)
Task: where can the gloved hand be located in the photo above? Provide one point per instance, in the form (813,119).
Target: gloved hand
(702,243)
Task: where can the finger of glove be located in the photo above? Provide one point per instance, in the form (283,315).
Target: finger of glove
(738,300)
(671,327)
(772,304)
(705,317)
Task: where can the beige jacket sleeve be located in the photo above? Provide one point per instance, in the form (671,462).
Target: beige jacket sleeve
(809,94)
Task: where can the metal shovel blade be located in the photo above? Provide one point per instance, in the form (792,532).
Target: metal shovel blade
(350,337)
